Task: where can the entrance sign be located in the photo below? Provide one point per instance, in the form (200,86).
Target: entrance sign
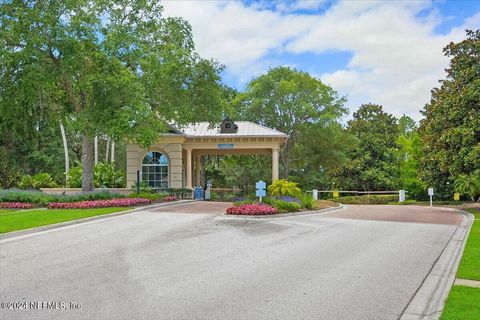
(225,146)
(260,189)
(430,194)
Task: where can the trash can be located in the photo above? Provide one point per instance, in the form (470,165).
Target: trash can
(198,193)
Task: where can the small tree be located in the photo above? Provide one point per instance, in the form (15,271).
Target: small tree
(284,188)
(468,185)
(287,99)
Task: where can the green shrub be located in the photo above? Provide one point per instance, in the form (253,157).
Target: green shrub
(367,199)
(180,193)
(284,188)
(307,201)
(268,200)
(37,181)
(239,203)
(35,197)
(104,176)
(468,185)
(286,206)
(75,177)
(92,195)
(43,199)
(406,202)
(148,195)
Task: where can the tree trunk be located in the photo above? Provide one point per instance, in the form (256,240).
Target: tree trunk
(107,145)
(286,167)
(96,149)
(65,149)
(112,158)
(87,163)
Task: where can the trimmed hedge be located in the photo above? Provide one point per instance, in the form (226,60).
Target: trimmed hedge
(39,198)
(368,199)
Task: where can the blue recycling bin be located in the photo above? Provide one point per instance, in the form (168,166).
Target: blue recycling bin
(198,193)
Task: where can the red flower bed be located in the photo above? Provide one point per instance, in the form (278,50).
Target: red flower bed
(252,209)
(124,202)
(170,198)
(16,205)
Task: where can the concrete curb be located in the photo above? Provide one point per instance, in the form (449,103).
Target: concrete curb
(280,215)
(34,230)
(429,300)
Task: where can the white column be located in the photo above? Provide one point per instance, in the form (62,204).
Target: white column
(274,164)
(197,170)
(188,168)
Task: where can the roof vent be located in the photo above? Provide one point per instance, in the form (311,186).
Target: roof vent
(228,126)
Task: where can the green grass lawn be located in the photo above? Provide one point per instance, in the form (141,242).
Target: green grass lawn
(470,265)
(6,210)
(19,220)
(475,212)
(463,303)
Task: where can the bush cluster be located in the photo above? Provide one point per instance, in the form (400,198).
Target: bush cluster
(37,181)
(252,209)
(368,199)
(104,175)
(289,206)
(150,196)
(42,199)
(282,203)
(126,202)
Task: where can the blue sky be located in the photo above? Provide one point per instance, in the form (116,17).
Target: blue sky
(385,52)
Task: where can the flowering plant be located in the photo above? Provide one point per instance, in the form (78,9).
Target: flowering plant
(16,205)
(170,198)
(125,202)
(252,209)
(290,199)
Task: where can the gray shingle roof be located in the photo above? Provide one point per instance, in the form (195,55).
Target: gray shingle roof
(245,129)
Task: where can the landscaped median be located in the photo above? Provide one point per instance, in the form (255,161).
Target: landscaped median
(463,301)
(21,209)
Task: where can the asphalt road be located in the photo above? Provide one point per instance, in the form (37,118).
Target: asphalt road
(360,263)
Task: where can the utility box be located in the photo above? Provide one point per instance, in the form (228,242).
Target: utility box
(401,196)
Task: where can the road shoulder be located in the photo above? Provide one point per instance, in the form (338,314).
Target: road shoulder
(429,300)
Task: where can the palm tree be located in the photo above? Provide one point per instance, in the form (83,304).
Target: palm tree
(468,185)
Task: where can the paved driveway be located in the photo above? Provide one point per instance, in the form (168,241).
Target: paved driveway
(360,263)
(196,207)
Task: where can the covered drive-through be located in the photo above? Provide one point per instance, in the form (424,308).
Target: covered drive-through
(175,161)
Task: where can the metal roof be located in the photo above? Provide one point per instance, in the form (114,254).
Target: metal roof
(245,129)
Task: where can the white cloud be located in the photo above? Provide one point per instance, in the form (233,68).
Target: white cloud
(237,35)
(396,56)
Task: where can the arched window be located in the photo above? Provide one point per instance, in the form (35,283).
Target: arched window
(155,170)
